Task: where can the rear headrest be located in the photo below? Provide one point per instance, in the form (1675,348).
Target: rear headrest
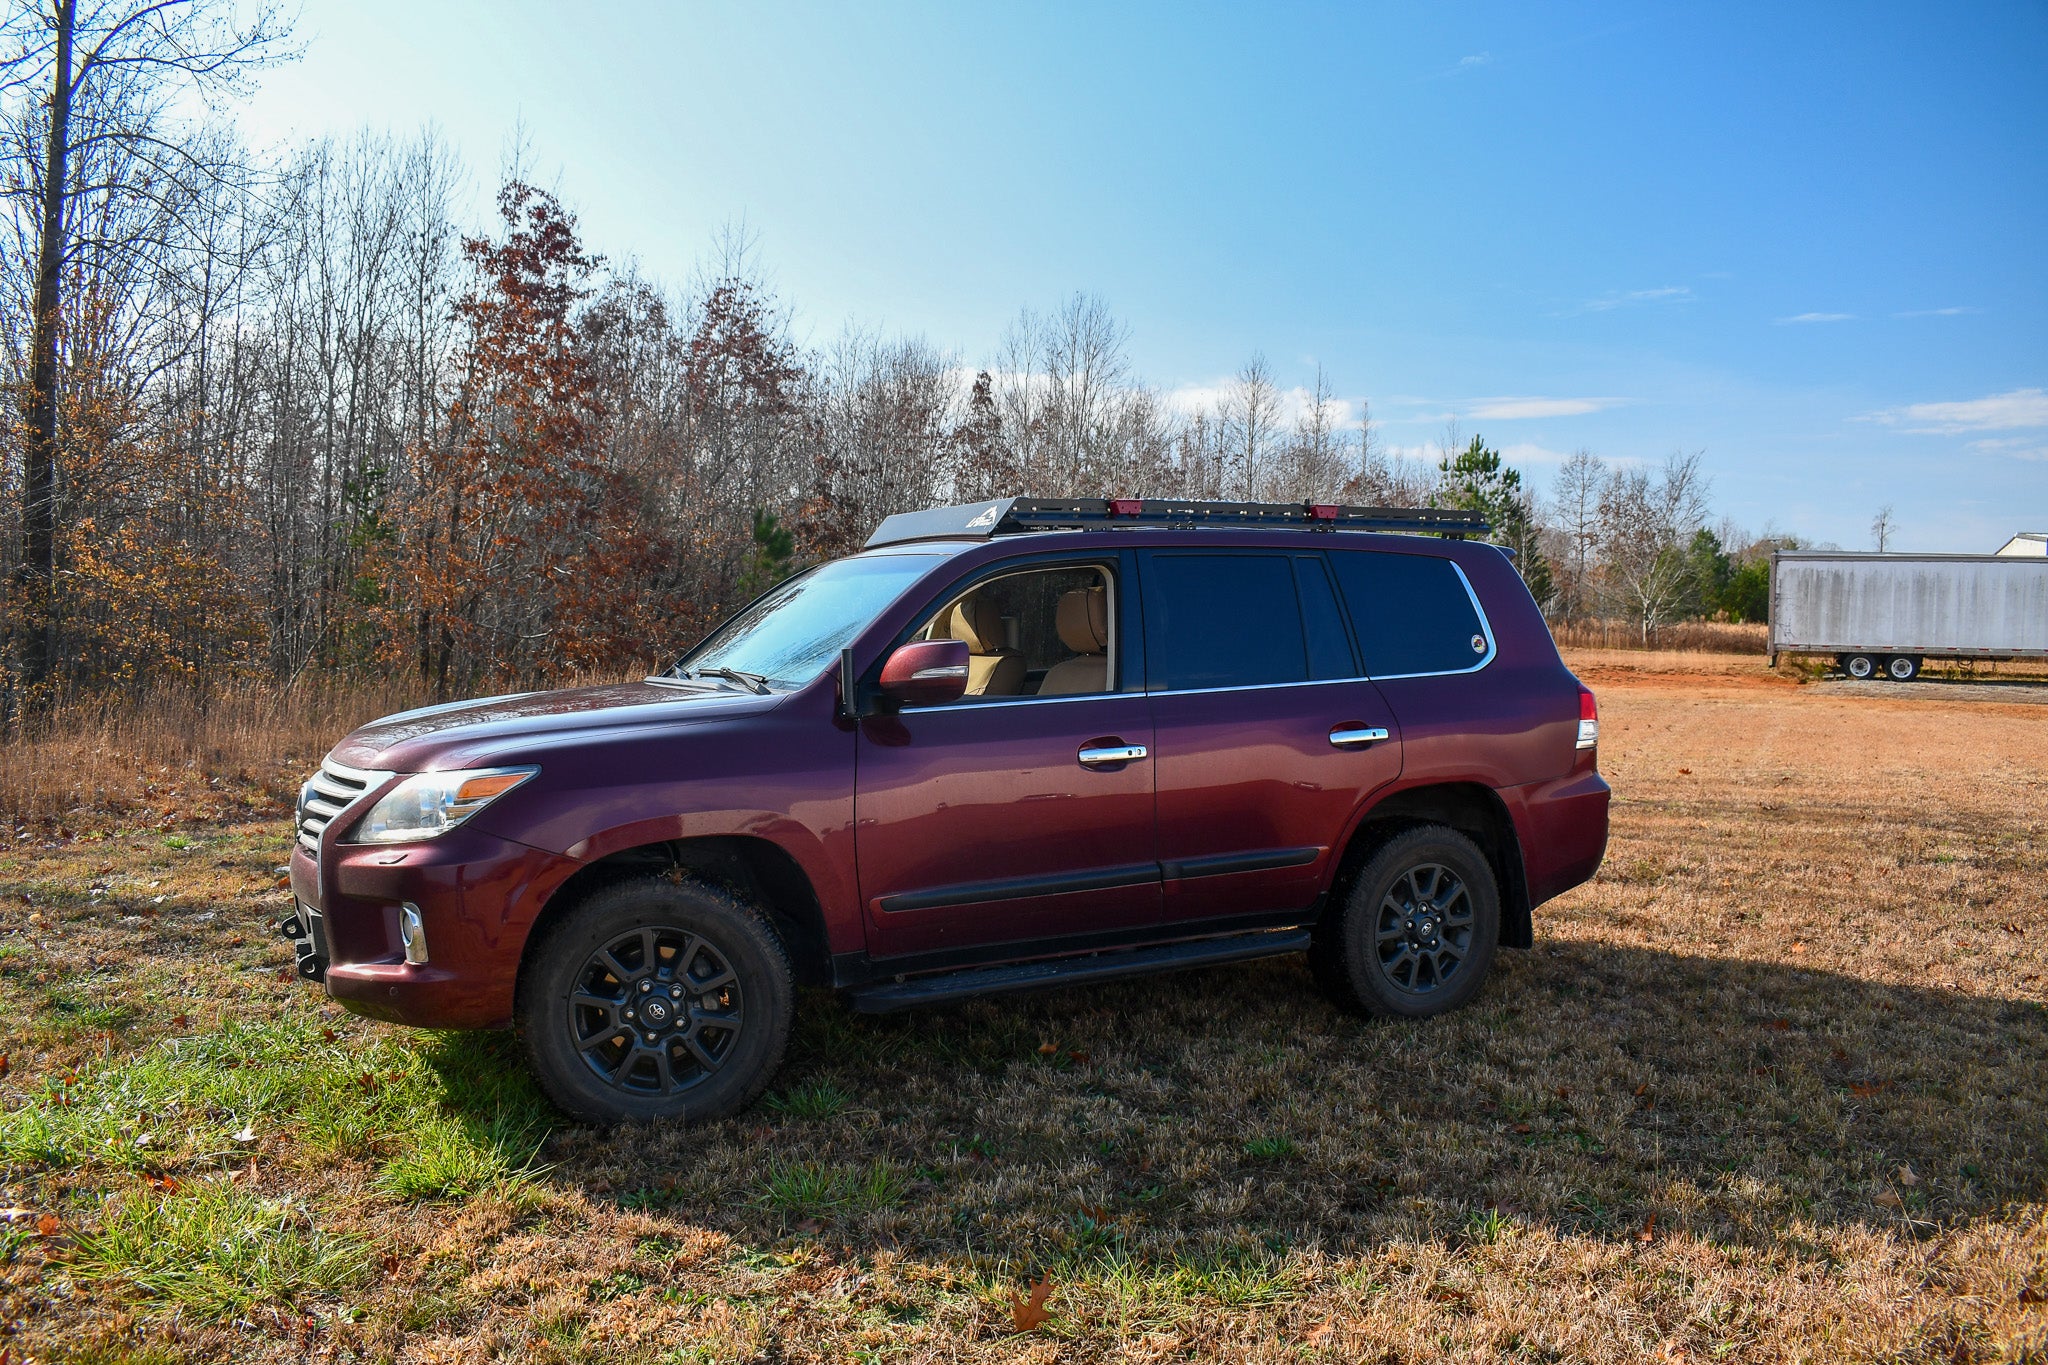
(1083,620)
(976,621)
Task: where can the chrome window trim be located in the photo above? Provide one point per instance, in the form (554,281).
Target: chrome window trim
(1478,609)
(1485,628)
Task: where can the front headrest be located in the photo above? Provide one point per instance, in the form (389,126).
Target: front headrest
(1083,620)
(976,621)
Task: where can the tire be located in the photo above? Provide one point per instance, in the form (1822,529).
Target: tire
(698,972)
(1859,666)
(1902,668)
(1368,960)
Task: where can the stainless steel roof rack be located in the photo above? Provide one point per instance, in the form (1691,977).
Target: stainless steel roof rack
(1015,516)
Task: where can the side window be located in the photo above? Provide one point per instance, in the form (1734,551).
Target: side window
(1222,620)
(1329,646)
(1035,633)
(1411,613)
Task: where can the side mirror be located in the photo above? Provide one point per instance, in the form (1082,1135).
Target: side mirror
(925,672)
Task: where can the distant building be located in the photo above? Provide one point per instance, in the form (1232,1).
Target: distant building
(2034,543)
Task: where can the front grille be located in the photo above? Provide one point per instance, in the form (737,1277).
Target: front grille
(325,796)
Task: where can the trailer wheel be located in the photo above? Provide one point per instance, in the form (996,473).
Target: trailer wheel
(1859,666)
(1902,668)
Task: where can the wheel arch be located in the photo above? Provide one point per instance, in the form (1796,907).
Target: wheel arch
(756,870)
(1472,809)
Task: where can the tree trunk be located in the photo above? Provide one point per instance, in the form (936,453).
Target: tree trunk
(36,578)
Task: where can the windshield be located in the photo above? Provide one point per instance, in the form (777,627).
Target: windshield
(790,635)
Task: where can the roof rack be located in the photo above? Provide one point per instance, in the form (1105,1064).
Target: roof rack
(1014,516)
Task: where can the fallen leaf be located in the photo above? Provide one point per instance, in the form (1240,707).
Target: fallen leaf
(3,1066)
(1685,772)
(1080,1058)
(1649,1230)
(180,1021)
(391,1263)
(811,1227)
(329,1034)
(156,1180)
(1642,1089)
(1027,1314)
(1524,1128)
(2033,1295)
(1779,1024)
(1047,1049)
(1321,1334)
(1864,1092)
(245,1134)
(47,1225)
(1890,1199)
(1798,947)
(1907,1178)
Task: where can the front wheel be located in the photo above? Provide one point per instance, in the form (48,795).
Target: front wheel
(656,999)
(1418,932)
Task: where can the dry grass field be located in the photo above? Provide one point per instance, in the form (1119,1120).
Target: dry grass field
(1773,1088)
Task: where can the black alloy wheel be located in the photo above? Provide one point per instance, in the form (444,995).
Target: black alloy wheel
(655,999)
(1418,930)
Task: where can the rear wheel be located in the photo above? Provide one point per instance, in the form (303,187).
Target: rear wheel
(1859,666)
(1902,668)
(1418,931)
(656,1000)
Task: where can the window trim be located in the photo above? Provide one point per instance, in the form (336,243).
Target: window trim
(1478,609)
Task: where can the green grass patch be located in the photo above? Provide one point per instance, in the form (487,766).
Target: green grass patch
(219,1251)
(1272,1148)
(812,1187)
(811,1100)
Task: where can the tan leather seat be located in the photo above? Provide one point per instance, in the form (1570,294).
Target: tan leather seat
(1083,621)
(992,671)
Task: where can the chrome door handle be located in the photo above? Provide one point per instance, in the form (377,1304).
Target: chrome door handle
(1112,753)
(1357,736)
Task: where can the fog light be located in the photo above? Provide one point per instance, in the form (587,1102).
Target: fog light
(412,931)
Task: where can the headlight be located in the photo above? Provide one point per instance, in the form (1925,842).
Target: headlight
(429,804)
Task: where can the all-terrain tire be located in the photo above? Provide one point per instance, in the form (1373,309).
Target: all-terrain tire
(1418,931)
(656,999)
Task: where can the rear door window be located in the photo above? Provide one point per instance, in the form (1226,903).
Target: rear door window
(1222,620)
(1411,613)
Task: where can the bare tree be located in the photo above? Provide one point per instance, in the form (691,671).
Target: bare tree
(110,76)
(1250,419)
(1576,500)
(1645,523)
(1882,528)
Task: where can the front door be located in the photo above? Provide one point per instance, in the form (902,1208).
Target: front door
(1021,815)
(1268,737)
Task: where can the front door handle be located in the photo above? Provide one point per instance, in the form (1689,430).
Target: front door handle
(1096,756)
(1357,736)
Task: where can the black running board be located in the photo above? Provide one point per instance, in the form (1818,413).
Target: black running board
(887,996)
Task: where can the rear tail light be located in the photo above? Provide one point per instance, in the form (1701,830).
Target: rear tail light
(1589,718)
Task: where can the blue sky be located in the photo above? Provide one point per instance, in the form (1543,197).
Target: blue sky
(1809,240)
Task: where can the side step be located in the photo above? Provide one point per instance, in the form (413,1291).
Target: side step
(887,996)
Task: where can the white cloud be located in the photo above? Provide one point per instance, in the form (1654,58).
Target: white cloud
(2017,447)
(1936,312)
(1477,59)
(2022,408)
(1295,403)
(1515,409)
(1797,318)
(1670,293)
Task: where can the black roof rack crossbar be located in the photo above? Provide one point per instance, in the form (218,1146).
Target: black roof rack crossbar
(1012,516)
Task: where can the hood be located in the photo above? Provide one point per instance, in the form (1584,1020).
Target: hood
(469,734)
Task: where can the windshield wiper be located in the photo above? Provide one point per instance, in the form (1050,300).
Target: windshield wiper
(754,682)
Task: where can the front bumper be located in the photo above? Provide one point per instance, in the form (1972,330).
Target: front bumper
(478,897)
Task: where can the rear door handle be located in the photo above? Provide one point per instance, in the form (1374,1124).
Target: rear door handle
(1096,756)
(1357,736)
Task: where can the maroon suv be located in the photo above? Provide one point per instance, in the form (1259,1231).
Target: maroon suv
(1021,743)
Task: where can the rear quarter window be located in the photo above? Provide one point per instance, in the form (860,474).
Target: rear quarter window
(1411,613)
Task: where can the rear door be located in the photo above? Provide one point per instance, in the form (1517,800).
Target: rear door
(1268,736)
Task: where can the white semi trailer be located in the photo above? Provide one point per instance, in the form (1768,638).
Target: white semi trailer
(1882,614)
